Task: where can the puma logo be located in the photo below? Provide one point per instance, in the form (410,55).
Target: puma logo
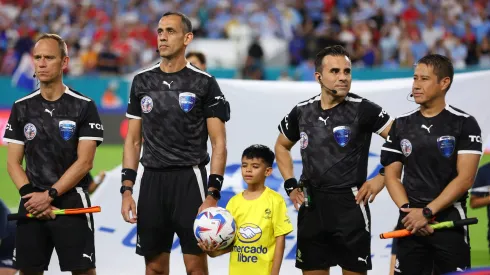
(220,182)
(363,260)
(323,119)
(87,256)
(426,128)
(166,83)
(49,112)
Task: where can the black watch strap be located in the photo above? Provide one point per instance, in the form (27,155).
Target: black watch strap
(125,188)
(216,194)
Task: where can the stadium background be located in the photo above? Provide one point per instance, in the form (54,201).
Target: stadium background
(110,41)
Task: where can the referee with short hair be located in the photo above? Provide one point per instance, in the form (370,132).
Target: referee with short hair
(438,147)
(56,130)
(334,131)
(175,106)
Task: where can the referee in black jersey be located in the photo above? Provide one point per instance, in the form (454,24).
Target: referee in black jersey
(438,147)
(176,107)
(334,131)
(56,130)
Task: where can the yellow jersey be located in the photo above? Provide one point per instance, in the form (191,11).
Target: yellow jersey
(258,222)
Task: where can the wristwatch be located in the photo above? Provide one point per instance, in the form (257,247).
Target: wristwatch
(125,188)
(215,194)
(53,193)
(427,212)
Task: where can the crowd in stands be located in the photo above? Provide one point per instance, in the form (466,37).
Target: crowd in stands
(116,37)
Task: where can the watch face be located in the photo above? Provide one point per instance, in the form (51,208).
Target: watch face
(53,192)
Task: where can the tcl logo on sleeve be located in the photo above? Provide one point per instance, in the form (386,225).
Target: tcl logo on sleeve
(475,138)
(96,126)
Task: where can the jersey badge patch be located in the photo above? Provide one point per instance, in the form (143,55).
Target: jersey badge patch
(187,101)
(303,140)
(342,135)
(146,104)
(67,129)
(30,131)
(406,146)
(446,145)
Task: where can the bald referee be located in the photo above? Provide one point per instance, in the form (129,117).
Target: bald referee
(175,106)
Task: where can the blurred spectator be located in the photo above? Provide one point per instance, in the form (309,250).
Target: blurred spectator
(197,59)
(107,60)
(254,65)
(384,33)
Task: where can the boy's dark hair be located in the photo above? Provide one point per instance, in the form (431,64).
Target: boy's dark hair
(336,50)
(441,66)
(199,55)
(261,152)
(186,22)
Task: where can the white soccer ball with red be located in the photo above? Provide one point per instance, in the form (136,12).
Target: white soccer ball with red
(215,225)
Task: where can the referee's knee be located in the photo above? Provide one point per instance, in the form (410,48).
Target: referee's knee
(156,269)
(158,265)
(84,272)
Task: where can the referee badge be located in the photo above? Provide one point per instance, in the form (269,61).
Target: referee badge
(67,129)
(446,145)
(342,135)
(146,104)
(187,101)
(406,146)
(30,131)
(303,140)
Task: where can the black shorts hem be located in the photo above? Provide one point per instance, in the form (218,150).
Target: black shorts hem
(76,268)
(197,251)
(152,253)
(31,269)
(356,269)
(307,267)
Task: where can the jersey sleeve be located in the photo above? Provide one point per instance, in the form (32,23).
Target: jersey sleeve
(373,117)
(289,125)
(280,219)
(481,187)
(13,129)
(91,127)
(391,150)
(470,141)
(215,104)
(134,107)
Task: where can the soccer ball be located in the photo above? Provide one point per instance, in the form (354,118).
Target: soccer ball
(215,225)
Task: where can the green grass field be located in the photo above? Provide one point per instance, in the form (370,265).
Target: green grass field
(109,156)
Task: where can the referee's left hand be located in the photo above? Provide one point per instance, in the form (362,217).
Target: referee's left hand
(369,190)
(414,220)
(208,202)
(37,202)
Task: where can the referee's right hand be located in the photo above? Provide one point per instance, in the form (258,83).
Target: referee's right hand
(128,205)
(297,198)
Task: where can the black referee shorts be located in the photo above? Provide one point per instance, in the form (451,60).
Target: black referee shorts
(445,251)
(334,231)
(168,203)
(71,235)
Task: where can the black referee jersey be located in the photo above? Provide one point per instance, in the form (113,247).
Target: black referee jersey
(50,132)
(335,142)
(174,108)
(429,150)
